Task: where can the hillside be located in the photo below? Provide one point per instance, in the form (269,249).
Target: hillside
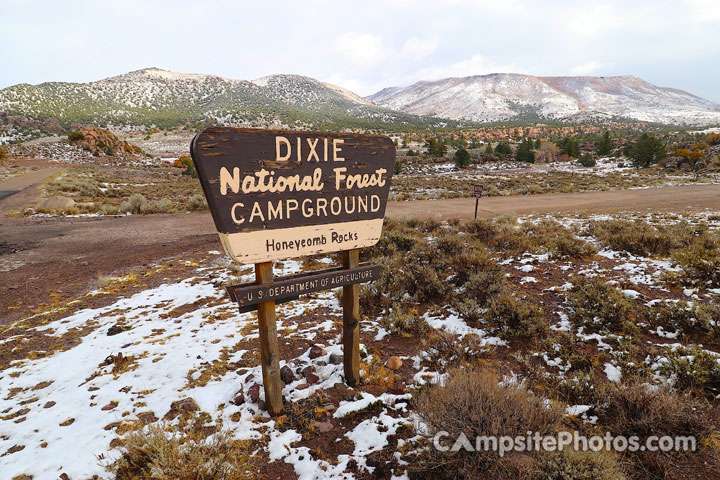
(509,96)
(154,97)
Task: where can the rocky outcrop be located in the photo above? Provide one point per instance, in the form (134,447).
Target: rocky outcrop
(100,141)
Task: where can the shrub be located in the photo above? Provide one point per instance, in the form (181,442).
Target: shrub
(75,136)
(692,368)
(188,166)
(642,239)
(164,451)
(407,323)
(136,204)
(636,410)
(699,267)
(3,154)
(83,185)
(599,307)
(485,284)
(197,203)
(446,349)
(586,160)
(517,318)
(471,402)
(572,465)
(693,320)
(160,206)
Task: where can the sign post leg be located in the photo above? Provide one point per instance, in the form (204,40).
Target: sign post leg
(351,322)
(476,205)
(269,355)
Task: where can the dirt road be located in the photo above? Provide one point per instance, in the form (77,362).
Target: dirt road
(21,182)
(39,256)
(655,199)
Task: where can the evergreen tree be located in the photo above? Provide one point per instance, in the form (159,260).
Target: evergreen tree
(462,158)
(525,152)
(489,149)
(646,151)
(435,147)
(503,148)
(604,145)
(569,146)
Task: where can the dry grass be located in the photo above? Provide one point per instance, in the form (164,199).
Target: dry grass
(162,451)
(472,402)
(635,410)
(113,190)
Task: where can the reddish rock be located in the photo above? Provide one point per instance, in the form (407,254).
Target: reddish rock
(147,417)
(254,392)
(239,398)
(312,378)
(110,406)
(394,363)
(316,351)
(286,374)
(116,442)
(302,386)
(112,425)
(185,405)
(323,427)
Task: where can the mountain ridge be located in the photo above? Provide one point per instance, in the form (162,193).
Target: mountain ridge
(507,96)
(154,97)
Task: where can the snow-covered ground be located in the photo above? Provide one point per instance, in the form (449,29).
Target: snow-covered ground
(104,370)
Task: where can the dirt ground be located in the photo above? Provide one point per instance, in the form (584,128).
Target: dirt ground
(46,258)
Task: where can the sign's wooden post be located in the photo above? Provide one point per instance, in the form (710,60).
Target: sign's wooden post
(269,355)
(351,321)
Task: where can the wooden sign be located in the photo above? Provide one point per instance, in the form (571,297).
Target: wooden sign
(292,286)
(278,194)
(282,194)
(478,191)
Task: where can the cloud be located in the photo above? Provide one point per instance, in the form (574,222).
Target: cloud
(418,48)
(704,10)
(476,65)
(583,23)
(587,68)
(364,50)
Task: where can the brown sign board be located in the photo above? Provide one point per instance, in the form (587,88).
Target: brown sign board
(277,194)
(292,286)
(478,191)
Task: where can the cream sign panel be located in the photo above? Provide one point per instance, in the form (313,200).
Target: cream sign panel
(282,194)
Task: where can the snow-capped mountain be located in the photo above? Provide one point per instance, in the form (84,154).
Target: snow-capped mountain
(506,96)
(155,97)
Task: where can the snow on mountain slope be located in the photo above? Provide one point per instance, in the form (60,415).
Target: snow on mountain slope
(504,96)
(155,97)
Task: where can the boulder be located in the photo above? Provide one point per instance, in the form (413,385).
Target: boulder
(286,375)
(57,203)
(316,351)
(394,363)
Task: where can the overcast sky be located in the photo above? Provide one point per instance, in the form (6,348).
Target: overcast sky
(364,46)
